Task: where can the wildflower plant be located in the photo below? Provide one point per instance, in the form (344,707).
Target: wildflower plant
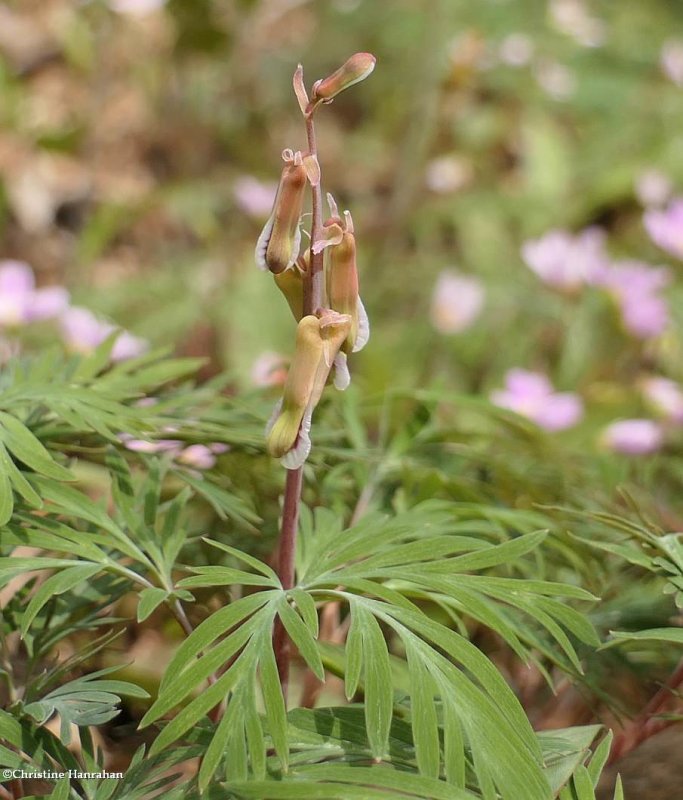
(123,482)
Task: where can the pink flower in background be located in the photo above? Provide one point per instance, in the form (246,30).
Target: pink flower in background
(665,396)
(269,369)
(516,50)
(457,301)
(671,60)
(21,302)
(556,80)
(573,18)
(636,288)
(567,261)
(136,8)
(199,456)
(665,227)
(532,395)
(633,437)
(254,197)
(172,446)
(83,332)
(447,174)
(653,188)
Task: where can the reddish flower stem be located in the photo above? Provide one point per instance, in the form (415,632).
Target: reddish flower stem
(644,726)
(313,300)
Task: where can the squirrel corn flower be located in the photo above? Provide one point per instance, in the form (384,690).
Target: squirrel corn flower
(342,277)
(278,245)
(290,283)
(356,69)
(318,341)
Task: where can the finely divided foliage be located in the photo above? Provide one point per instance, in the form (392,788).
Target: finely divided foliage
(91,528)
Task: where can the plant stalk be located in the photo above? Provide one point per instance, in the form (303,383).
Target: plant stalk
(313,300)
(644,725)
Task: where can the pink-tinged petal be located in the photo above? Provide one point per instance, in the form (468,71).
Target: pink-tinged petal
(633,437)
(47,303)
(531,395)
(16,278)
(665,227)
(160,446)
(560,411)
(269,369)
(457,301)
(128,346)
(136,8)
(565,261)
(653,188)
(82,330)
(644,317)
(219,448)
(198,456)
(665,396)
(254,197)
(528,385)
(671,60)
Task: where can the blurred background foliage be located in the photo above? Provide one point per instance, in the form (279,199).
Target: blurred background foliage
(139,144)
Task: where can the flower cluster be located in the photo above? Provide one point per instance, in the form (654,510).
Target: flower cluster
(321,286)
(570,262)
(21,304)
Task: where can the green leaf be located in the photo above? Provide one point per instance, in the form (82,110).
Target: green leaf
(273,700)
(6,499)
(302,638)
(377,682)
(149,600)
(27,448)
(56,584)
(600,756)
(674,635)
(423,716)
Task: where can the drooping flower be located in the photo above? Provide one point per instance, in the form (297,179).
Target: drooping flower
(342,286)
(254,197)
(671,60)
(635,287)
(84,332)
(278,245)
(634,437)
(352,71)
(566,261)
(21,302)
(318,340)
(531,395)
(665,227)
(665,396)
(290,283)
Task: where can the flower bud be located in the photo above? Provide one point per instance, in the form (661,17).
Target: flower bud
(278,245)
(291,284)
(342,287)
(318,340)
(356,69)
